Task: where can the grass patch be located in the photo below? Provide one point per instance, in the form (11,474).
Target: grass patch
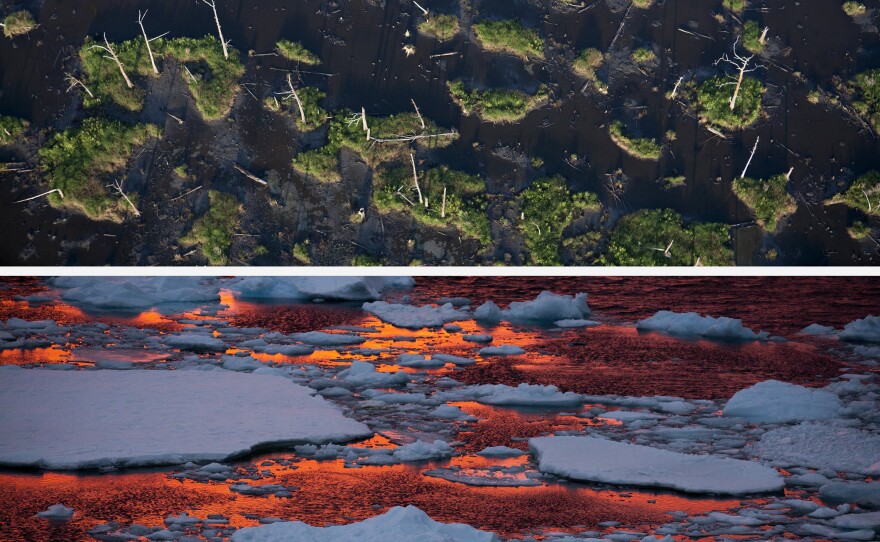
(301,252)
(646,149)
(18,23)
(549,207)
(859,230)
(78,161)
(584,249)
(212,232)
(212,83)
(465,199)
(863,194)
(854,9)
(642,3)
(497,105)
(751,38)
(768,199)
(310,98)
(509,36)
(292,50)
(736,6)
(865,88)
(643,56)
(11,128)
(713,97)
(443,27)
(586,64)
(345,131)
(674,182)
(367,260)
(637,235)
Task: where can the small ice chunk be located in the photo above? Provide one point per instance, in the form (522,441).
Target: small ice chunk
(488,313)
(477,338)
(576,322)
(867,520)
(56,512)
(500,451)
(867,330)
(418,361)
(197,342)
(502,350)
(691,324)
(321,338)
(412,317)
(861,493)
(534,395)
(817,329)
(449,358)
(423,451)
(451,412)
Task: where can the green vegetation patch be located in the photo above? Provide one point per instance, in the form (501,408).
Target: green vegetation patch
(443,27)
(586,64)
(863,194)
(465,207)
(583,249)
(768,199)
(211,78)
(866,96)
(736,6)
(11,128)
(642,238)
(643,56)
(497,105)
(310,97)
(390,139)
(646,149)
(18,23)
(78,160)
(509,36)
(854,9)
(713,98)
(212,232)
(292,50)
(751,39)
(548,207)
(859,230)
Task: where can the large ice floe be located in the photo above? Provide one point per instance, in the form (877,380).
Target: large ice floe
(136,292)
(691,324)
(398,524)
(773,401)
(412,317)
(620,463)
(528,395)
(91,419)
(546,308)
(867,330)
(311,288)
(821,446)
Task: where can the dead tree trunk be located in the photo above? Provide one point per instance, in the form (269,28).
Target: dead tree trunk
(147,40)
(443,206)
(742,65)
(418,113)
(302,113)
(213,4)
(118,185)
(750,158)
(416,178)
(114,58)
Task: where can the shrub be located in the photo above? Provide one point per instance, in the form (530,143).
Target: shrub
(646,149)
(866,96)
(509,36)
(640,238)
(212,232)
(496,105)
(292,50)
(443,27)
(18,23)
(713,98)
(11,128)
(751,38)
(859,230)
(78,161)
(863,194)
(768,199)
(643,56)
(549,207)
(736,6)
(854,9)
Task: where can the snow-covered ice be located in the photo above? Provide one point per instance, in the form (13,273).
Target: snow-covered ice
(620,463)
(502,350)
(820,446)
(397,524)
(772,401)
(548,307)
(691,324)
(136,292)
(409,316)
(534,395)
(423,451)
(86,419)
(866,329)
(362,373)
(56,512)
(196,341)
(817,329)
(326,288)
(320,338)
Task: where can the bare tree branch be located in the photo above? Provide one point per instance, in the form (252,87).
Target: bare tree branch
(213,4)
(147,40)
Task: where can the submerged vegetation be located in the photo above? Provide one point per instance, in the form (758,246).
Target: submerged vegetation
(212,232)
(646,149)
(509,36)
(11,128)
(211,78)
(443,27)
(448,197)
(714,95)
(497,105)
(863,194)
(548,207)
(866,96)
(657,237)
(78,162)
(292,50)
(768,199)
(18,23)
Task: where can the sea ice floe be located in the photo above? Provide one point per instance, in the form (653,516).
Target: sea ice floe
(91,419)
(451,412)
(364,374)
(457,360)
(195,341)
(320,338)
(419,362)
(423,451)
(500,451)
(502,350)
(861,493)
(412,317)
(620,463)
(547,308)
(866,329)
(493,477)
(820,446)
(817,329)
(772,401)
(136,292)
(56,512)
(534,395)
(691,324)
(398,523)
(324,288)
(575,323)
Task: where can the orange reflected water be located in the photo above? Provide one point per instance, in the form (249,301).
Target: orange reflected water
(329,493)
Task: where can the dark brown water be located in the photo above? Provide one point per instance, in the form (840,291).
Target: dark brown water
(360,44)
